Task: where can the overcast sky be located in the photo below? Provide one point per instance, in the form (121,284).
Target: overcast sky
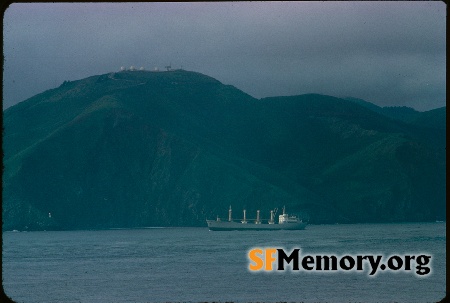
(387,53)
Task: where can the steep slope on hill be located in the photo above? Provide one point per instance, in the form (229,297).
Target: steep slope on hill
(138,148)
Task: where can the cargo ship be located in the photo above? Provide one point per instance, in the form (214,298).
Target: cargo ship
(285,222)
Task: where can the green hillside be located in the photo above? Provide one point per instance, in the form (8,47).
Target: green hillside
(136,148)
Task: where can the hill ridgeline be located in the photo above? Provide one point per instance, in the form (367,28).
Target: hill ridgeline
(137,148)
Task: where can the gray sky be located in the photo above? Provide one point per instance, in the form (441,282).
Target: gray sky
(387,53)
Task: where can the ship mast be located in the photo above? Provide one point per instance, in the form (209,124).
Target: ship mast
(244,220)
(271,217)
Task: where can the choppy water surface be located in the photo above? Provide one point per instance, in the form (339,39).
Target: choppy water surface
(194,264)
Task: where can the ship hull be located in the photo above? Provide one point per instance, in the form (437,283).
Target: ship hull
(226,225)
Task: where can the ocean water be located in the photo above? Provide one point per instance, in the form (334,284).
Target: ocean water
(194,264)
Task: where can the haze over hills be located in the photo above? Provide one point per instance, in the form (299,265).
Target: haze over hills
(137,148)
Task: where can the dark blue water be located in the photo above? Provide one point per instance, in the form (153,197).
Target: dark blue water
(194,264)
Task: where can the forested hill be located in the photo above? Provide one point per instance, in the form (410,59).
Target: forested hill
(138,148)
